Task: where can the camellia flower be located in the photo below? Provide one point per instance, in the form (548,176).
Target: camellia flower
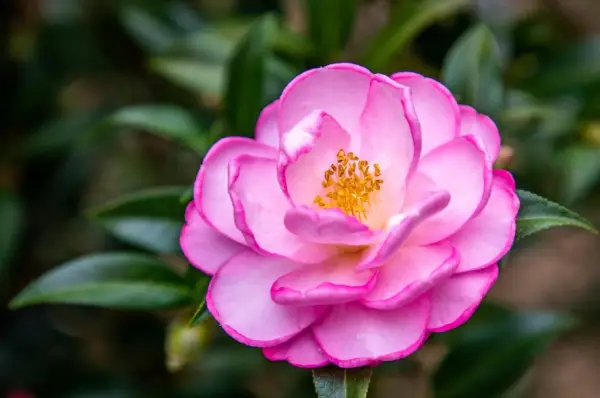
(363,216)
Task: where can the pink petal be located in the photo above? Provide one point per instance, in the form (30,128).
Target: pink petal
(239,298)
(436,108)
(210,189)
(454,301)
(204,247)
(332,282)
(460,168)
(338,89)
(411,273)
(267,131)
(308,150)
(302,351)
(485,239)
(259,210)
(473,123)
(391,137)
(329,226)
(400,227)
(352,335)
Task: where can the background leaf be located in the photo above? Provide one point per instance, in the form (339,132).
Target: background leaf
(11,219)
(330,23)
(114,280)
(332,382)
(196,75)
(581,168)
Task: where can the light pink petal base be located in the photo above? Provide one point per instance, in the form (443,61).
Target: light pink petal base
(455,300)
(352,335)
(302,351)
(239,298)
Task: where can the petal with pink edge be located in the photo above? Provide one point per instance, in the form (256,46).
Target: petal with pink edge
(302,351)
(210,189)
(411,273)
(485,239)
(267,131)
(329,226)
(400,227)
(460,168)
(338,89)
(391,137)
(436,108)
(455,300)
(332,282)
(239,298)
(259,208)
(352,335)
(473,123)
(308,150)
(204,247)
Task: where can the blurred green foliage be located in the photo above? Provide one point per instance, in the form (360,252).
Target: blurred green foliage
(110,106)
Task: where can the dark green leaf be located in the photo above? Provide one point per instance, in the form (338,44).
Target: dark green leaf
(332,382)
(472,70)
(581,167)
(191,74)
(330,23)
(151,219)
(114,280)
(246,74)
(537,214)
(164,120)
(407,21)
(11,219)
(490,354)
(151,33)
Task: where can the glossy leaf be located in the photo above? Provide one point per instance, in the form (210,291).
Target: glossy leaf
(11,219)
(581,168)
(488,355)
(537,214)
(246,74)
(113,280)
(409,18)
(151,219)
(472,70)
(330,24)
(332,382)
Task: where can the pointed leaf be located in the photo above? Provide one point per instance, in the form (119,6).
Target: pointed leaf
(113,280)
(537,214)
(332,382)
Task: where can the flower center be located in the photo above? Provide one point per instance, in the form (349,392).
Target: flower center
(350,185)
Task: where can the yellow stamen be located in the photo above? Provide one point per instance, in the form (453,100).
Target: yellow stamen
(350,185)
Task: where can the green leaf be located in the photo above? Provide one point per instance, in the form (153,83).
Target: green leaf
(581,168)
(167,121)
(11,218)
(408,20)
(472,70)
(114,280)
(150,219)
(191,74)
(332,382)
(330,24)
(537,214)
(492,351)
(246,75)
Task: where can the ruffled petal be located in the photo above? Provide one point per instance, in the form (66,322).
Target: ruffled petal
(400,227)
(259,208)
(391,137)
(454,301)
(267,131)
(329,226)
(436,108)
(338,89)
(308,150)
(302,351)
(239,298)
(352,335)
(478,125)
(486,238)
(460,168)
(204,247)
(210,189)
(411,273)
(332,282)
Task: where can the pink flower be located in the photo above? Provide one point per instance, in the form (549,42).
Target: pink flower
(364,216)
